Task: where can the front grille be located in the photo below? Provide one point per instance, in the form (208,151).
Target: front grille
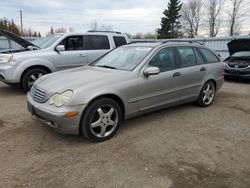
(37,94)
(238,65)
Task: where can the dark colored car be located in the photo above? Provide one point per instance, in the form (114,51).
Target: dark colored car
(238,63)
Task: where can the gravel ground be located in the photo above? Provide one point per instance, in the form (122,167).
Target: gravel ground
(184,147)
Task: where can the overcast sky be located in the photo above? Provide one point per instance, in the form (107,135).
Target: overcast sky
(129,16)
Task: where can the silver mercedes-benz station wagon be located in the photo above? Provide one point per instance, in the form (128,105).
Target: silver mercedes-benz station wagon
(129,81)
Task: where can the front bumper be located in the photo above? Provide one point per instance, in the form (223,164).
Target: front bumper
(240,73)
(55,117)
(10,73)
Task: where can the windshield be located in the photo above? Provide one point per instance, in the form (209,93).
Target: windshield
(242,54)
(46,42)
(124,58)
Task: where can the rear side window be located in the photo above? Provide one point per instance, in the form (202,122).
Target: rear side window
(199,58)
(187,56)
(97,42)
(119,41)
(210,57)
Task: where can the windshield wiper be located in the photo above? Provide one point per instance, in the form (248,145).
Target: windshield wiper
(106,66)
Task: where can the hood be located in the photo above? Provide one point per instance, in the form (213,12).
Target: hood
(22,42)
(238,45)
(86,78)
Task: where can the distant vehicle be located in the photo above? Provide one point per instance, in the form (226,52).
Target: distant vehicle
(53,53)
(238,63)
(129,81)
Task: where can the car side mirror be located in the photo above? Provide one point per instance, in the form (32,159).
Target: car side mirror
(219,55)
(151,71)
(60,48)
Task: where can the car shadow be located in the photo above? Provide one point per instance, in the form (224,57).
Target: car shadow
(6,90)
(238,80)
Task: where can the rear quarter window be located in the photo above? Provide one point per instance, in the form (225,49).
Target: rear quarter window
(119,41)
(210,56)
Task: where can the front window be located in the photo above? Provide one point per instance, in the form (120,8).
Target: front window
(187,56)
(164,59)
(73,43)
(124,58)
(46,42)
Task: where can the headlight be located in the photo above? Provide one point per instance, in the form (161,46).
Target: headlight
(60,99)
(6,58)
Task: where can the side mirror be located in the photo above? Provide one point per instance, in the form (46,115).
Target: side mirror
(219,55)
(60,48)
(151,71)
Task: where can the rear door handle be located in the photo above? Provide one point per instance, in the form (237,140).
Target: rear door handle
(203,69)
(176,74)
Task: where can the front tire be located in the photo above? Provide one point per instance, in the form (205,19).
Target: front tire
(31,76)
(101,120)
(207,94)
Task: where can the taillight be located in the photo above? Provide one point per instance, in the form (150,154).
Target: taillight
(223,70)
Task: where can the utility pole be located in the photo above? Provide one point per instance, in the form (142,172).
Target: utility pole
(21,19)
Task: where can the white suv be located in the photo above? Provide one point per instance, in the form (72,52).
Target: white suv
(54,53)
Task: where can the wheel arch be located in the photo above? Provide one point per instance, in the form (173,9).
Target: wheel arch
(33,67)
(115,97)
(212,80)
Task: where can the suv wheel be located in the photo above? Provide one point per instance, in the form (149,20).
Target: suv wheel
(101,120)
(31,76)
(207,94)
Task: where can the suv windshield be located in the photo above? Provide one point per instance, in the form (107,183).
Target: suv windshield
(46,42)
(124,58)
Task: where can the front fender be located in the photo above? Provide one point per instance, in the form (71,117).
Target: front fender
(24,65)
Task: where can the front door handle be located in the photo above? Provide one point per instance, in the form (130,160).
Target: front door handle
(176,74)
(203,69)
(81,55)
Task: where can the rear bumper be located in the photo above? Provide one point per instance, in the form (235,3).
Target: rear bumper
(55,117)
(219,84)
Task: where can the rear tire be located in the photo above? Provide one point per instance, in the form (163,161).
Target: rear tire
(207,94)
(31,76)
(101,120)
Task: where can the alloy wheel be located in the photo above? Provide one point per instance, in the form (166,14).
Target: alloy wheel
(208,93)
(104,121)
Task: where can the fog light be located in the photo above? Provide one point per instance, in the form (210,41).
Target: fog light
(71,114)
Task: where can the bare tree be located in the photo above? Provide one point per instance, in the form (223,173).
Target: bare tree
(213,16)
(71,29)
(235,17)
(95,26)
(61,30)
(191,14)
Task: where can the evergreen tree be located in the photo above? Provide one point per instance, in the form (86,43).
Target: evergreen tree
(6,24)
(51,30)
(170,24)
(39,34)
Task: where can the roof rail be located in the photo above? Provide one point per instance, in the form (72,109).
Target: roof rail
(187,41)
(143,41)
(102,31)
